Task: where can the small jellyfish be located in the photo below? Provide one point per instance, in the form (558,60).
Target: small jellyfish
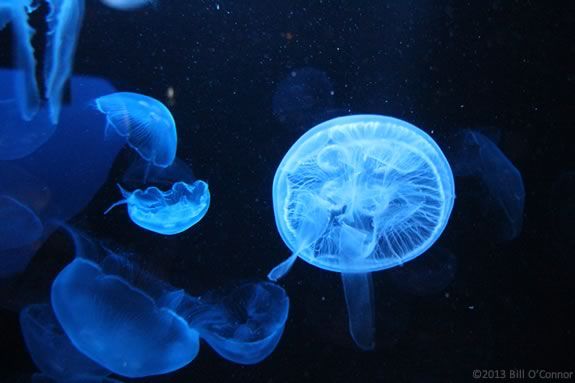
(167,212)
(246,325)
(145,122)
(120,316)
(129,5)
(359,194)
(303,98)
(51,350)
(503,192)
(19,225)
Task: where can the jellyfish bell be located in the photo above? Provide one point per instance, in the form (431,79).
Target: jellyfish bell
(175,203)
(19,225)
(145,122)
(359,194)
(114,312)
(129,5)
(50,348)
(244,325)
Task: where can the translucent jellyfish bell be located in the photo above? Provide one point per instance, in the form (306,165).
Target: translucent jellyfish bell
(246,325)
(184,202)
(119,315)
(129,5)
(50,348)
(146,123)
(19,225)
(359,194)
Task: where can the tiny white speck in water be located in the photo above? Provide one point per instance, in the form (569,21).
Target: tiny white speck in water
(471,307)
(217,7)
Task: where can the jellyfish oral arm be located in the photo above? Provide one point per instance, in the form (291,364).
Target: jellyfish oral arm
(280,270)
(358,292)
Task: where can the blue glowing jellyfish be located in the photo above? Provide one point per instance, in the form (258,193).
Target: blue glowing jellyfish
(146,123)
(167,212)
(50,348)
(59,179)
(128,5)
(359,194)
(503,194)
(246,325)
(119,315)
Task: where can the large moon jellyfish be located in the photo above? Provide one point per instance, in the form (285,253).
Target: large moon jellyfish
(115,313)
(58,180)
(50,348)
(246,325)
(478,157)
(359,194)
(145,122)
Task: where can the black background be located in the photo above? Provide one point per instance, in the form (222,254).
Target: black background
(504,66)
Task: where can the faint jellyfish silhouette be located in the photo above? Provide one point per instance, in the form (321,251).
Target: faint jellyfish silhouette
(245,325)
(58,180)
(426,275)
(121,316)
(305,97)
(168,212)
(64,24)
(477,156)
(129,5)
(43,378)
(19,225)
(50,348)
(145,122)
(359,194)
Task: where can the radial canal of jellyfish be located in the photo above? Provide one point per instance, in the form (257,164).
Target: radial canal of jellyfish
(50,348)
(359,194)
(145,122)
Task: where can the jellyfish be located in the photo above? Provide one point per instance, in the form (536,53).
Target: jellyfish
(359,194)
(64,24)
(304,97)
(245,325)
(129,5)
(476,156)
(145,122)
(167,212)
(50,348)
(58,179)
(119,315)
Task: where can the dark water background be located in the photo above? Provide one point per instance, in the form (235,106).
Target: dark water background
(504,66)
